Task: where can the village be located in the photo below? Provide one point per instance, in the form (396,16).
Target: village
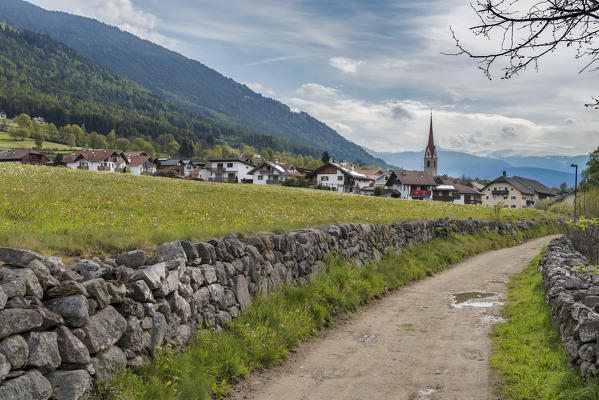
(338,176)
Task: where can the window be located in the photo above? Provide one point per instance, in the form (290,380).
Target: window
(339,177)
(230,165)
(494,197)
(512,189)
(219,165)
(487,197)
(260,177)
(513,206)
(504,197)
(513,197)
(489,189)
(324,178)
(428,164)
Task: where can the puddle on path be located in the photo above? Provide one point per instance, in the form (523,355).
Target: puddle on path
(425,394)
(487,319)
(475,299)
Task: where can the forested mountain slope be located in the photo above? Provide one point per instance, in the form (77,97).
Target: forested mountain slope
(187,82)
(41,76)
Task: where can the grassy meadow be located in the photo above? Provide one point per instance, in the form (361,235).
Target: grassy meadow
(528,355)
(7,142)
(69,212)
(271,327)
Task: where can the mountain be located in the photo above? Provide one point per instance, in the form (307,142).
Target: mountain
(41,76)
(549,170)
(184,81)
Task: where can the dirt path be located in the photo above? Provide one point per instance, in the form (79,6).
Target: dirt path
(415,344)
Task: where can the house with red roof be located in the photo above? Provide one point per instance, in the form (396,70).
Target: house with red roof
(96,160)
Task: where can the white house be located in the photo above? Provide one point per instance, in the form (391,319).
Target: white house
(339,177)
(139,162)
(273,173)
(411,185)
(95,160)
(230,170)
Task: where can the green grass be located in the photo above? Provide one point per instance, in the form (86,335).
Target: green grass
(8,143)
(264,334)
(70,212)
(527,352)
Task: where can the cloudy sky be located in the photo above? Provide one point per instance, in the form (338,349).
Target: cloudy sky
(372,70)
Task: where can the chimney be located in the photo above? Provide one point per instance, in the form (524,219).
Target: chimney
(504,173)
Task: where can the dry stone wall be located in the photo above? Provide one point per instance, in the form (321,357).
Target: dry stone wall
(62,325)
(572,290)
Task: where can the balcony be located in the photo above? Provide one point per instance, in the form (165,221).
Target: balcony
(104,168)
(84,167)
(500,192)
(420,193)
(450,198)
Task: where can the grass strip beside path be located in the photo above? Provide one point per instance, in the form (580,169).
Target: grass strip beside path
(528,355)
(264,334)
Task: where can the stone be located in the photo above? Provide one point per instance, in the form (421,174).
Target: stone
(74,309)
(71,349)
(140,291)
(4,367)
(209,272)
(588,331)
(182,336)
(195,275)
(158,332)
(132,338)
(18,302)
(170,284)
(30,386)
(130,307)
(152,276)
(3,298)
(17,257)
(132,259)
(108,361)
(18,320)
(217,293)
(67,288)
(98,290)
(190,250)
(14,289)
(49,318)
(43,351)
(240,288)
(206,252)
(43,274)
(588,352)
(117,292)
(70,385)
(16,351)
(24,276)
(170,251)
(123,273)
(89,269)
(104,329)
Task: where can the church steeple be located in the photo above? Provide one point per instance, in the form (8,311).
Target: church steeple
(430,154)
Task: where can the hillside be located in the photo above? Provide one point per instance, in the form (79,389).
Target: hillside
(187,82)
(550,170)
(41,76)
(82,212)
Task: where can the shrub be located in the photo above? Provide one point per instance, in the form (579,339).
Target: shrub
(543,204)
(296,181)
(584,235)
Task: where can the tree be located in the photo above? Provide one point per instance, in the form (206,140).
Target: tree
(22,133)
(111,139)
(97,141)
(164,140)
(527,34)
(299,161)
(248,151)
(267,153)
(173,148)
(186,149)
(591,174)
(378,191)
(58,159)
(50,132)
(23,121)
(71,139)
(325,157)
(563,188)
(122,144)
(38,138)
(140,144)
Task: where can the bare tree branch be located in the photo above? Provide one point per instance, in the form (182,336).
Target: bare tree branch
(527,35)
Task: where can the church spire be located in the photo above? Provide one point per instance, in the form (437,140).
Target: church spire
(431,140)
(430,154)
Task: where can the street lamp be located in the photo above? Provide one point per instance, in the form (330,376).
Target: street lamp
(575,187)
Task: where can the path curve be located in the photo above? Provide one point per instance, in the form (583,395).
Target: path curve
(412,345)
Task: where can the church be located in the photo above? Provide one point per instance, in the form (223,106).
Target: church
(430,154)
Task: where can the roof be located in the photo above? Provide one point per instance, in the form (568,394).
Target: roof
(431,140)
(139,160)
(17,154)
(232,160)
(346,171)
(89,155)
(463,189)
(371,173)
(411,178)
(524,185)
(445,187)
(286,169)
(169,162)
(476,185)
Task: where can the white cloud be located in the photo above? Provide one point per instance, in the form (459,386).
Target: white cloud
(345,65)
